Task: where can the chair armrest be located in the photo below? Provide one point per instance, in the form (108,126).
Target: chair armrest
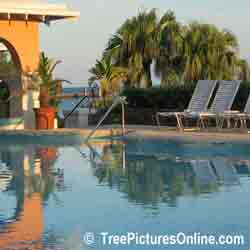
(231,111)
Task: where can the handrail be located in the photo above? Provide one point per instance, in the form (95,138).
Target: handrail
(74,109)
(79,103)
(118,100)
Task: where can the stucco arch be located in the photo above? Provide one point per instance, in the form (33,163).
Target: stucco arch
(14,55)
(14,82)
(22,39)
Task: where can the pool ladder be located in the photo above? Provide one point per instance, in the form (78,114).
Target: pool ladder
(119,100)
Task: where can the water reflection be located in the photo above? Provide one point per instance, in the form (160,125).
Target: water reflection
(152,179)
(27,175)
(30,176)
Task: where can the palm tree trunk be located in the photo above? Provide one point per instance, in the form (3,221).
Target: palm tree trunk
(146,80)
(44,97)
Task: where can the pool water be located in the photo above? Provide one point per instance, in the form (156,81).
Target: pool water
(50,196)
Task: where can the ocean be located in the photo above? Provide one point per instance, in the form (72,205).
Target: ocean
(69,104)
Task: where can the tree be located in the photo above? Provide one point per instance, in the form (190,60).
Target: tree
(209,53)
(145,41)
(44,78)
(133,47)
(243,70)
(169,61)
(176,52)
(109,76)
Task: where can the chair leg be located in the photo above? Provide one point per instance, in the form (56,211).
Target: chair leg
(245,123)
(202,122)
(228,123)
(241,120)
(217,123)
(198,123)
(179,122)
(157,119)
(236,121)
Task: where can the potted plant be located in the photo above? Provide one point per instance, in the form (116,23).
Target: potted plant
(49,87)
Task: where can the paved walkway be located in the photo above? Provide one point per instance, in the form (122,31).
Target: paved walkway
(142,132)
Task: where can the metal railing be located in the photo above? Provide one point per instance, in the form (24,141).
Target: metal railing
(88,94)
(118,100)
(75,108)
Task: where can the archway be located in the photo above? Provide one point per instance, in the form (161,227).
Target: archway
(10,81)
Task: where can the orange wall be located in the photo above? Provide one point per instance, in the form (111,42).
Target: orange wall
(24,37)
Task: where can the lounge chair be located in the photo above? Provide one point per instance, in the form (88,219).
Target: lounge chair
(237,117)
(222,103)
(225,171)
(198,103)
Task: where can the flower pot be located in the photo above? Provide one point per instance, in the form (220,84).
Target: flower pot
(45,118)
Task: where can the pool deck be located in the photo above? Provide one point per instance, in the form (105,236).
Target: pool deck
(151,132)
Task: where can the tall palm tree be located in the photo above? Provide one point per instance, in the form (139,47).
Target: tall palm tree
(133,47)
(169,61)
(209,53)
(109,76)
(178,53)
(243,71)
(145,40)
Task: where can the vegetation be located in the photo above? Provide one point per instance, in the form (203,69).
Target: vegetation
(7,66)
(174,52)
(174,97)
(147,181)
(48,85)
(109,75)
(44,79)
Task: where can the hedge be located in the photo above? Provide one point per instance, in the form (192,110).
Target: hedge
(175,97)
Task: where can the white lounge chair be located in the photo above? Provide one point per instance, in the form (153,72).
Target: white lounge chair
(238,117)
(198,103)
(222,103)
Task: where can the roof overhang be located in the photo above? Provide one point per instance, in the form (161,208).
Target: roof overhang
(39,12)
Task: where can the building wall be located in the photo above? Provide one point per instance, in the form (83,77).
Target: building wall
(22,40)
(23,37)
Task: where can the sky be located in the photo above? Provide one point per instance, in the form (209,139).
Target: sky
(79,43)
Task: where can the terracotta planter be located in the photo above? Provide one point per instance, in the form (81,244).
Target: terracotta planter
(45,118)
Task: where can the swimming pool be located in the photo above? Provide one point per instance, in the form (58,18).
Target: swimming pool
(51,195)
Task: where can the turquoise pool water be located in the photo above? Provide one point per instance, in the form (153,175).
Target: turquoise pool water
(52,195)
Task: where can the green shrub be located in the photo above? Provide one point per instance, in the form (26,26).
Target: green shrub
(102,104)
(175,97)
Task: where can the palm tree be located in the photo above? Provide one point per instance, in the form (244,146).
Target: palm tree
(209,53)
(178,53)
(169,61)
(109,76)
(49,86)
(243,71)
(143,41)
(133,47)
